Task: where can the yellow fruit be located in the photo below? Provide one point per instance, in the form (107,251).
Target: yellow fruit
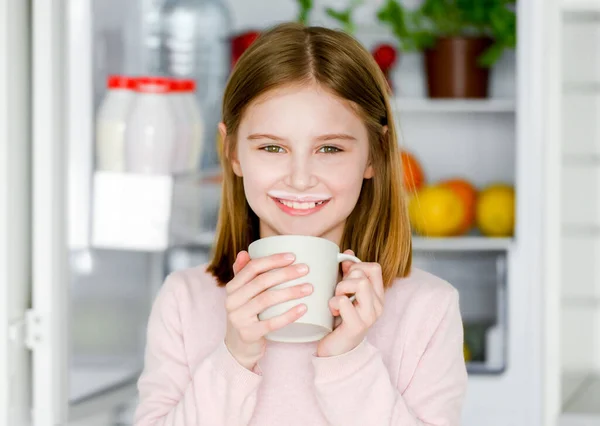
(496,211)
(436,211)
(466,352)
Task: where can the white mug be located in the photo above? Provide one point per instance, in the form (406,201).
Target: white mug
(323,258)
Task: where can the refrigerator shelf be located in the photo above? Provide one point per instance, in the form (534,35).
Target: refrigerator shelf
(581,6)
(480,368)
(426,105)
(467,243)
(458,244)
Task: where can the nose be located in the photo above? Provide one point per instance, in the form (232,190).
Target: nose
(301,176)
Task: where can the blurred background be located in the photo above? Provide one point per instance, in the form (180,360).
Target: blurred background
(109,180)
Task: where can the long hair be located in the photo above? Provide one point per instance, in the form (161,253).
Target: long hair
(378,229)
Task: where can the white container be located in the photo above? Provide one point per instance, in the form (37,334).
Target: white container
(183,124)
(197,125)
(151,129)
(111,123)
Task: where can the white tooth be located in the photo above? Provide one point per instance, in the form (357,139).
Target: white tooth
(297,205)
(288,203)
(311,205)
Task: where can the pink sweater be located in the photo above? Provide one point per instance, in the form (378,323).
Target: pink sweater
(408,371)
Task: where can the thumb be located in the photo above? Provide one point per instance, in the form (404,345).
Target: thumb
(241,261)
(347,264)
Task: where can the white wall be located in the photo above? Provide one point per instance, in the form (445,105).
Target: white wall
(581,196)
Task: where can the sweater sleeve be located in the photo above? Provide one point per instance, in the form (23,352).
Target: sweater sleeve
(355,388)
(219,391)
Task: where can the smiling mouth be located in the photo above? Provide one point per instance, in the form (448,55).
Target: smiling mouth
(299,208)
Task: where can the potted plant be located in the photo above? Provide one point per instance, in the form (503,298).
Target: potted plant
(461,41)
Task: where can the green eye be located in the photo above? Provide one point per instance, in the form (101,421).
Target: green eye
(273,149)
(329,149)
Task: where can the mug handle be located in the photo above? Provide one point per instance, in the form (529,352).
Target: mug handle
(342,257)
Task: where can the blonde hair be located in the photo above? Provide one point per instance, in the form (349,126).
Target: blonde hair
(378,228)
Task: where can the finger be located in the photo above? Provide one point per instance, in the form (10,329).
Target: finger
(350,277)
(350,317)
(274,297)
(334,305)
(347,263)
(263,282)
(241,260)
(258,266)
(372,271)
(346,287)
(262,328)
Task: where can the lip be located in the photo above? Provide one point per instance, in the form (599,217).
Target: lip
(282,195)
(298,212)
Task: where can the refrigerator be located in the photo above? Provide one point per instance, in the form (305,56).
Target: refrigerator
(74,304)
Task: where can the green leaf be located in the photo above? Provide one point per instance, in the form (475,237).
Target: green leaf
(343,17)
(417,29)
(305,6)
(491,55)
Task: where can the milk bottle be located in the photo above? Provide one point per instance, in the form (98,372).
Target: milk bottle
(151,128)
(111,123)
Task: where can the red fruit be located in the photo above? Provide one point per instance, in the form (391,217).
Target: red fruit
(385,56)
(240,43)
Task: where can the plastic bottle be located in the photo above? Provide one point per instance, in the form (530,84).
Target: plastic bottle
(183,127)
(197,124)
(151,128)
(111,123)
(152,20)
(197,46)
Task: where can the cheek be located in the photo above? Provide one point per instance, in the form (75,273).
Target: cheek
(344,183)
(258,178)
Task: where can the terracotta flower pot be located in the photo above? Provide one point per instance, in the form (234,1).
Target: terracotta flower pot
(452,69)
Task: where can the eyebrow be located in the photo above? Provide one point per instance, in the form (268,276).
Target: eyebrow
(326,137)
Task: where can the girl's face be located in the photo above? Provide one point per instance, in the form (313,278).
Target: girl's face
(303,154)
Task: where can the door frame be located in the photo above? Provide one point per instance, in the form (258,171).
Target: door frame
(15,261)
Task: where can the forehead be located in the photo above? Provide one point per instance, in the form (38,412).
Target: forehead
(301,108)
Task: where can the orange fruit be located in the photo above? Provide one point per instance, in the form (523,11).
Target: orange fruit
(413,175)
(496,211)
(436,211)
(468,195)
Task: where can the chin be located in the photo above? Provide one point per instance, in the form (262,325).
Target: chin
(304,229)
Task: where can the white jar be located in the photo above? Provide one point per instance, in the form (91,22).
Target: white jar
(111,123)
(151,128)
(183,124)
(197,125)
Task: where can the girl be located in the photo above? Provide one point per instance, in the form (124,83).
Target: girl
(306,116)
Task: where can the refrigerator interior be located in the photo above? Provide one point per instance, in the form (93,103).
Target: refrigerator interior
(112,290)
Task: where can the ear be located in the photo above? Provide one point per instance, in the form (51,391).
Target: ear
(229,154)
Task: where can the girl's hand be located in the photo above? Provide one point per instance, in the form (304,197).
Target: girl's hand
(354,319)
(246,298)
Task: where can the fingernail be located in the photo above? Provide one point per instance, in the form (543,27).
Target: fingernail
(302,268)
(302,308)
(289,256)
(307,289)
